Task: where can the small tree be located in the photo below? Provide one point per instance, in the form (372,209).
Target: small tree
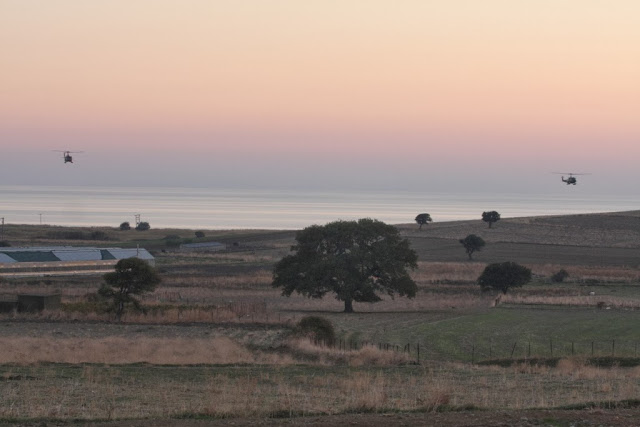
(504,276)
(422,219)
(490,217)
(472,243)
(132,276)
(559,276)
(199,234)
(355,260)
(143,226)
(125,226)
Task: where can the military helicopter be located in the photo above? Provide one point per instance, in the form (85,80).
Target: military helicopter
(66,155)
(571,179)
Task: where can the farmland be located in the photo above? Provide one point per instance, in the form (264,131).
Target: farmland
(218,341)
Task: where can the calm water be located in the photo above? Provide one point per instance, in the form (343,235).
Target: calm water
(215,208)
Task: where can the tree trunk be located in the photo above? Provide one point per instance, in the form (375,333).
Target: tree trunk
(119,310)
(348,306)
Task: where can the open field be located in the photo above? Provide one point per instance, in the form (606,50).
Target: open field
(215,329)
(152,391)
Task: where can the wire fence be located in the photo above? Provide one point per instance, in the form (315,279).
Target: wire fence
(498,350)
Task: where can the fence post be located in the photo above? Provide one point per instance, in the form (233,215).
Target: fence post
(529,350)
(473,354)
(513,349)
(551,346)
(572,349)
(613,348)
(418,348)
(592,349)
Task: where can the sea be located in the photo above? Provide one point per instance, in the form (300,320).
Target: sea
(206,208)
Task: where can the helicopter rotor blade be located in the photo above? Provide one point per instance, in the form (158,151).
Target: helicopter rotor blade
(570,173)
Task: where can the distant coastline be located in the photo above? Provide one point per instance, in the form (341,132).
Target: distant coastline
(275,209)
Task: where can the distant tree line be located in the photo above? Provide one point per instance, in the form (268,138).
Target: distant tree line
(142,226)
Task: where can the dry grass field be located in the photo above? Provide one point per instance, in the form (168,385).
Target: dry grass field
(218,341)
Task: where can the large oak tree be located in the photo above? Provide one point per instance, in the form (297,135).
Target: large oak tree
(355,260)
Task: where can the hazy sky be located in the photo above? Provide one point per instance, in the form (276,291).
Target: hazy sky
(446,95)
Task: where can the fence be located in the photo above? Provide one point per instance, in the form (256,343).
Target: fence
(494,350)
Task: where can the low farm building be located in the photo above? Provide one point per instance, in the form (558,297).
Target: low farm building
(62,260)
(29,303)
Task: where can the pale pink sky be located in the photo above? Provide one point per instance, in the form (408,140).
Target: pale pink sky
(369,93)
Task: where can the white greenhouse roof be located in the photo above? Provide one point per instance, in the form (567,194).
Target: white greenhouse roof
(78,254)
(68,253)
(128,253)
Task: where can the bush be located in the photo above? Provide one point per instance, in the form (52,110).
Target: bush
(99,235)
(68,235)
(4,244)
(143,226)
(317,328)
(199,234)
(172,240)
(125,226)
(560,276)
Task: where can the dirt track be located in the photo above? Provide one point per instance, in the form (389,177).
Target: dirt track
(595,417)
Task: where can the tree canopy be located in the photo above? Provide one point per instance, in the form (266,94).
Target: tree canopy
(472,243)
(504,276)
(132,276)
(355,260)
(422,219)
(490,217)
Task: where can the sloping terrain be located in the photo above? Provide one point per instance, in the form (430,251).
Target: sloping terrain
(589,239)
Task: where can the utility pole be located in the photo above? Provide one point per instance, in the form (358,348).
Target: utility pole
(40,218)
(2,231)
(137,216)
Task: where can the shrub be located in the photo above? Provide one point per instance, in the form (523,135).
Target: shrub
(4,244)
(173,241)
(98,235)
(125,226)
(317,328)
(559,276)
(67,235)
(199,234)
(143,226)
